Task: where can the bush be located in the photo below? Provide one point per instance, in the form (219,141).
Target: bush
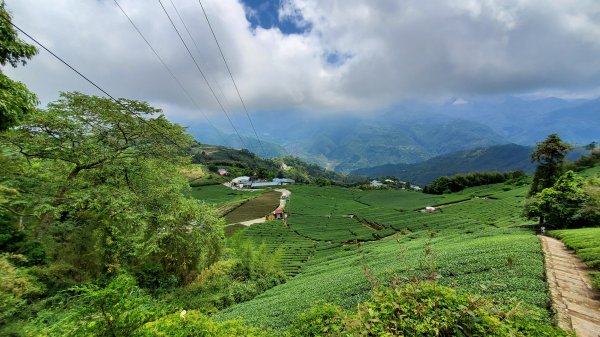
(321,320)
(193,323)
(116,309)
(17,289)
(426,309)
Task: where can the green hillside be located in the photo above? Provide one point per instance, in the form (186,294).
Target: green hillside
(245,163)
(473,241)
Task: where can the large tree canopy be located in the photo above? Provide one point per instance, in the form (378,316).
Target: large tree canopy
(98,185)
(15,99)
(560,205)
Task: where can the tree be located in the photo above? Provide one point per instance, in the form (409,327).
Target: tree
(16,100)
(561,204)
(591,146)
(550,156)
(100,186)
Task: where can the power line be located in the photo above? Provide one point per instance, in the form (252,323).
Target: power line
(219,89)
(202,73)
(198,50)
(96,85)
(187,94)
(231,76)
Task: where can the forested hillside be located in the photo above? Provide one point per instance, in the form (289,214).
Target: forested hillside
(499,158)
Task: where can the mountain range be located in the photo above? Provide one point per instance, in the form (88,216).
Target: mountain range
(412,132)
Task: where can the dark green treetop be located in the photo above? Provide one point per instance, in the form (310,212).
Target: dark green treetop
(550,156)
(15,99)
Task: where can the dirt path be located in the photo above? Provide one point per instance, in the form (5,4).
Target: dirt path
(285,194)
(576,303)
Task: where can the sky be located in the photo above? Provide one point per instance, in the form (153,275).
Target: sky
(333,56)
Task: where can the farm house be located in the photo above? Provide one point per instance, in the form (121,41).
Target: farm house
(241,182)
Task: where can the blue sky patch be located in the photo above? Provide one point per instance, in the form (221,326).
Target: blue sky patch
(265,14)
(335,58)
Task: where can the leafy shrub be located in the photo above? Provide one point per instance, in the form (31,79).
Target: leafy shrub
(59,276)
(318,321)
(17,288)
(426,309)
(117,309)
(193,323)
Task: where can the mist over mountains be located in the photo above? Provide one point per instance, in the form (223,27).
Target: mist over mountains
(410,133)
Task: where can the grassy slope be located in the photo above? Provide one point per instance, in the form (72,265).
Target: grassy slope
(471,251)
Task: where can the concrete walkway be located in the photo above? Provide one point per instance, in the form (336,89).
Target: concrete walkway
(576,303)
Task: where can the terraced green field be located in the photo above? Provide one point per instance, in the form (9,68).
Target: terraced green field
(255,208)
(477,245)
(294,249)
(331,228)
(219,195)
(585,242)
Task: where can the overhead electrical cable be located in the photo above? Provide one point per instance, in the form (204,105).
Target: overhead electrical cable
(97,86)
(187,94)
(202,73)
(219,89)
(231,76)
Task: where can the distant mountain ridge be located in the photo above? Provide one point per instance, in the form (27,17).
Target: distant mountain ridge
(526,122)
(413,132)
(500,158)
(347,143)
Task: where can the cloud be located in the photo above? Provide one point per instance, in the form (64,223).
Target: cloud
(356,56)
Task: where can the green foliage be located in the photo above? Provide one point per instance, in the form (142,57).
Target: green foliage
(587,161)
(249,270)
(291,249)
(595,279)
(550,156)
(117,309)
(255,261)
(322,182)
(319,320)
(427,309)
(193,323)
(459,182)
(17,289)
(100,188)
(16,100)
(559,205)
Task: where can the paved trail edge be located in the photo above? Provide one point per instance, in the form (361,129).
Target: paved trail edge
(574,300)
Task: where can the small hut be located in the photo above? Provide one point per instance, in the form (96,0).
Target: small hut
(278,214)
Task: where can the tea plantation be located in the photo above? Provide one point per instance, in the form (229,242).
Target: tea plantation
(586,243)
(338,240)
